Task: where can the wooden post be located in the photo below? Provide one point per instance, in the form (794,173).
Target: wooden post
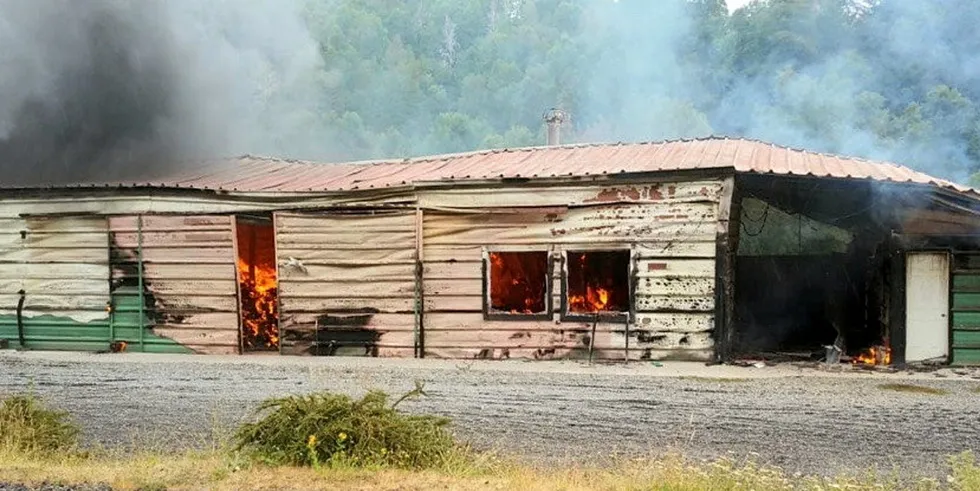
(726,250)
(592,337)
(419,286)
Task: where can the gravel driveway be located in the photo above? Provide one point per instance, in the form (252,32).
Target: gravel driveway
(804,420)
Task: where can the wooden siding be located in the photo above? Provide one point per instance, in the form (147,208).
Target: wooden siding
(61,265)
(670,229)
(190,286)
(347,283)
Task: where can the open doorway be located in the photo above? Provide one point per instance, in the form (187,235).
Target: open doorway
(812,273)
(258,287)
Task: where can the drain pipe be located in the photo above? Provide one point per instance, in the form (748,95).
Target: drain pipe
(20,318)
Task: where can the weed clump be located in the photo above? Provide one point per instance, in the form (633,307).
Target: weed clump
(336,430)
(28,427)
(913,389)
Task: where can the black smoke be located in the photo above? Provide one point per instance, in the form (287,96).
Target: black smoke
(116,90)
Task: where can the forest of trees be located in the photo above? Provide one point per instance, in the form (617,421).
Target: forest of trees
(886,79)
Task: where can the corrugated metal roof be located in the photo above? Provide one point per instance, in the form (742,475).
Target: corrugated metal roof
(259,174)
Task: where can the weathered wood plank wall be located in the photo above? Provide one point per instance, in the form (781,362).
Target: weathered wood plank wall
(61,266)
(347,283)
(671,229)
(189,282)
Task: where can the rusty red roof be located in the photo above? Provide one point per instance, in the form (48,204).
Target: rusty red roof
(260,174)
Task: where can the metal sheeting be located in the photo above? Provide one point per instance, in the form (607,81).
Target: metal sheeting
(61,266)
(965,315)
(673,241)
(189,282)
(347,283)
(258,174)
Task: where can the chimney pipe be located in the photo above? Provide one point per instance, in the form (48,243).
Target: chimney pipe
(554,117)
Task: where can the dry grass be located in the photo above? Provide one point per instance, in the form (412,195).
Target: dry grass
(976,390)
(28,427)
(914,389)
(222,471)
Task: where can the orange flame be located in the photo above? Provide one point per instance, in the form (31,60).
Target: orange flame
(876,355)
(258,286)
(596,299)
(517,282)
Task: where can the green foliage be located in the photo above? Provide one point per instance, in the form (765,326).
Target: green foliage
(28,427)
(332,429)
(413,77)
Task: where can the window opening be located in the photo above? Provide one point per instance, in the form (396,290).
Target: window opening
(597,281)
(518,283)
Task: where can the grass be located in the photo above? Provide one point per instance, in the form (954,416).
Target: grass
(28,427)
(275,452)
(914,389)
(224,471)
(976,390)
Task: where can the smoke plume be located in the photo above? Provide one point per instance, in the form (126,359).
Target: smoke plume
(102,90)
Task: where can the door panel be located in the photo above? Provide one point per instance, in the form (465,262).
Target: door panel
(927,306)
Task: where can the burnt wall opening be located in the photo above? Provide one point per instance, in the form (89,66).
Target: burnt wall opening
(258,285)
(811,270)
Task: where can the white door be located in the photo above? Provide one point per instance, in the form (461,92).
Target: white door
(926,306)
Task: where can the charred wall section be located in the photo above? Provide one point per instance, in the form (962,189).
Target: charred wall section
(189,287)
(668,230)
(812,268)
(347,283)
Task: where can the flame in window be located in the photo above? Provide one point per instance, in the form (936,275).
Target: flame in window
(598,281)
(518,282)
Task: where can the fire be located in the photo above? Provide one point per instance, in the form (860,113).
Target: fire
(596,299)
(876,355)
(598,282)
(258,286)
(260,309)
(518,282)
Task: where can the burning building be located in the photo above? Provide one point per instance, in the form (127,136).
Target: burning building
(711,249)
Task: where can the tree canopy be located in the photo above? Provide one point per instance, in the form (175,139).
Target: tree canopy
(886,79)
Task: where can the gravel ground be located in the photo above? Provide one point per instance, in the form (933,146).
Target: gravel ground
(802,419)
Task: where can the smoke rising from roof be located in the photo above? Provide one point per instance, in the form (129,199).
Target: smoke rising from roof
(97,90)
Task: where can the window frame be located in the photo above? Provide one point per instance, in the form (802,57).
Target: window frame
(610,317)
(492,315)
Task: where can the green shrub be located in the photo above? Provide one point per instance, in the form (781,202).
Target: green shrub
(334,429)
(27,427)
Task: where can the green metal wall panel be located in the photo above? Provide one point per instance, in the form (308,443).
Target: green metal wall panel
(966,339)
(965,315)
(966,300)
(966,282)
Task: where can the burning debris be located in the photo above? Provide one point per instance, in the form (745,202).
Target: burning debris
(598,282)
(258,286)
(518,282)
(875,355)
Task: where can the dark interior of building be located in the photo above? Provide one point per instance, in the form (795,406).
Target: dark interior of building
(811,269)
